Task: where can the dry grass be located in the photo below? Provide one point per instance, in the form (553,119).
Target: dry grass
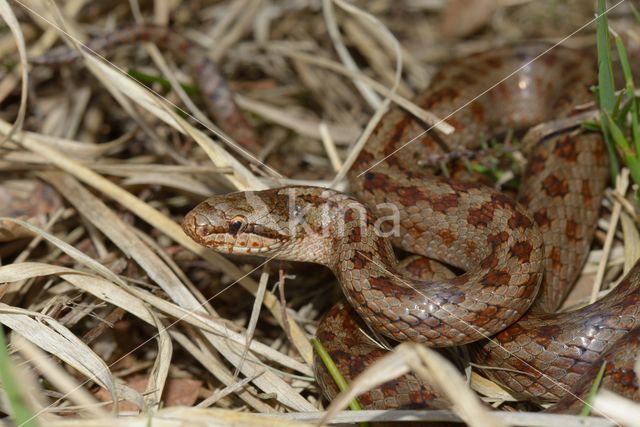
(96,172)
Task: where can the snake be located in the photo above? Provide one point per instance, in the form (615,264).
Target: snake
(517,255)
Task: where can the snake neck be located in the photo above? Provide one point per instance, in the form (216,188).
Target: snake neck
(358,241)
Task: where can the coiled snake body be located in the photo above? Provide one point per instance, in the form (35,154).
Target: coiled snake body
(506,249)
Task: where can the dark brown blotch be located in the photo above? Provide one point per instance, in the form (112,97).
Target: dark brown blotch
(482,216)
(541,218)
(556,257)
(519,220)
(409,196)
(522,250)
(442,203)
(496,278)
(503,200)
(566,148)
(572,229)
(447,236)
(497,239)
(378,181)
(470,248)
(555,187)
(536,164)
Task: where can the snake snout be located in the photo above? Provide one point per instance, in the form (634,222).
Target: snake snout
(196,225)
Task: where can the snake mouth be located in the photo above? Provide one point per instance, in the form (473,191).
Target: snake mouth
(254,240)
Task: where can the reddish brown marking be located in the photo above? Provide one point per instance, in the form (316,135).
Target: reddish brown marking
(519,220)
(524,199)
(522,250)
(509,334)
(490,311)
(409,196)
(377,181)
(447,236)
(359,260)
(566,148)
(356,234)
(442,203)
(529,287)
(536,164)
(572,229)
(349,215)
(546,333)
(462,187)
(503,200)
(586,192)
(456,298)
(555,187)
(497,239)
(496,278)
(399,129)
(469,248)
(364,159)
(482,216)
(541,218)
(556,258)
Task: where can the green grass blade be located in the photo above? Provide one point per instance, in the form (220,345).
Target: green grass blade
(630,92)
(635,12)
(629,156)
(624,62)
(20,410)
(606,87)
(335,374)
(588,402)
(605,65)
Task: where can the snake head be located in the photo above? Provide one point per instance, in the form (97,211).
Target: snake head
(291,223)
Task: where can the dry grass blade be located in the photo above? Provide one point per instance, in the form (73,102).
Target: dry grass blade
(118,232)
(429,365)
(58,377)
(180,417)
(301,125)
(201,321)
(160,370)
(14,26)
(170,228)
(69,250)
(525,419)
(621,187)
(617,408)
(54,338)
(135,302)
(490,389)
(330,21)
(119,82)
(438,124)
(109,155)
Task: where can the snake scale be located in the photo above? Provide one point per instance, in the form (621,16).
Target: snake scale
(510,252)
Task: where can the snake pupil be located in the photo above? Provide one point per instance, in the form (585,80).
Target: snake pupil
(236,225)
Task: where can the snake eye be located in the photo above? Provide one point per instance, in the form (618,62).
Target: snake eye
(237,224)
